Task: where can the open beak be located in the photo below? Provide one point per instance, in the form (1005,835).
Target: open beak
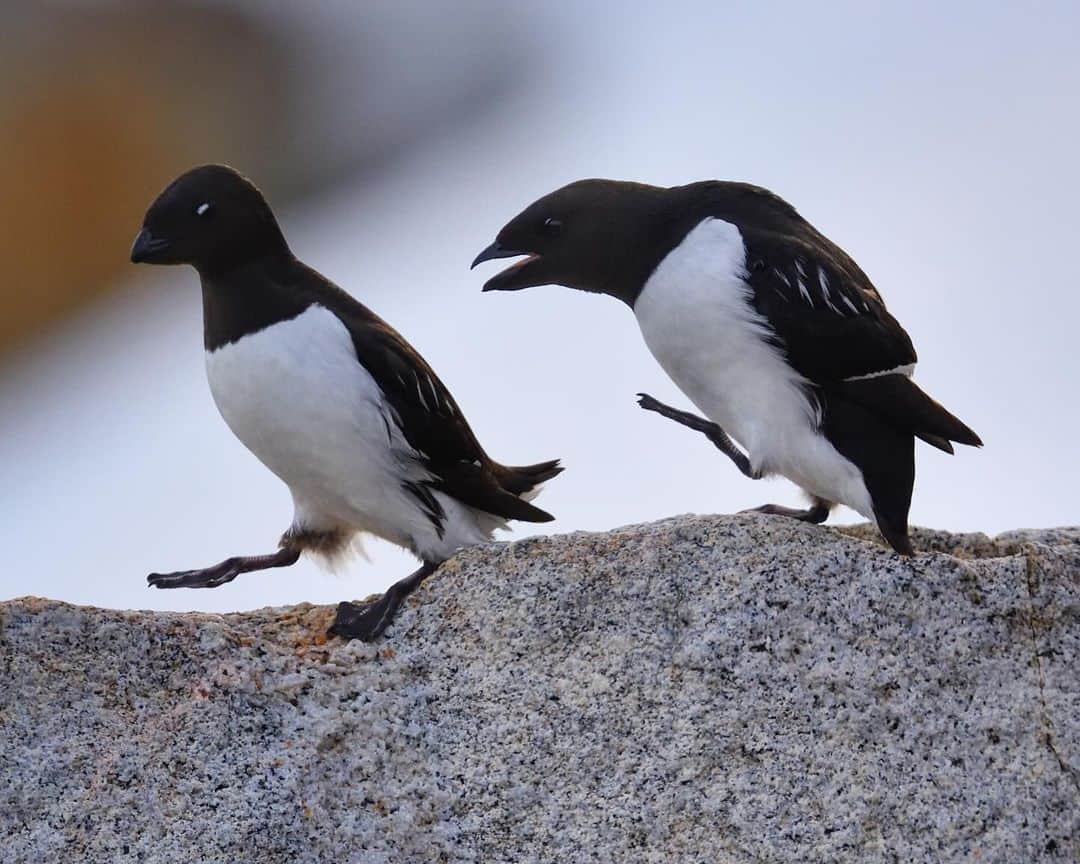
(495,250)
(147,248)
(514,277)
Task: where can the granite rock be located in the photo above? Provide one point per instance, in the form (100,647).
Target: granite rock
(702,689)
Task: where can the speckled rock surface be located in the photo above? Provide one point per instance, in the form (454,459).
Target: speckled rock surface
(704,689)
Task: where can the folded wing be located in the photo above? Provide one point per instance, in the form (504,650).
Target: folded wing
(836,332)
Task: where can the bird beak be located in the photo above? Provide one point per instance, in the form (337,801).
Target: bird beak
(146,247)
(495,250)
(520,274)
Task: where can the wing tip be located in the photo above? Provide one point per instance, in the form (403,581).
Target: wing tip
(526,512)
(963,434)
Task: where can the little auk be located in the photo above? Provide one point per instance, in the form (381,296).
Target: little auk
(769,328)
(330,398)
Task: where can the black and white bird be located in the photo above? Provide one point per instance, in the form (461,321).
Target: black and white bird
(330,398)
(769,328)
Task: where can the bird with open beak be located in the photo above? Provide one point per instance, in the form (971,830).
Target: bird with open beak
(766,325)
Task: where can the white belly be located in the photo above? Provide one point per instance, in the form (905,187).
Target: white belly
(696,316)
(296,396)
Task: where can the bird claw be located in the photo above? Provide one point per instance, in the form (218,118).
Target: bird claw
(209,578)
(365,622)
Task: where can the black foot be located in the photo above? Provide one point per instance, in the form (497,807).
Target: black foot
(815,515)
(226,571)
(209,577)
(367,622)
(687,419)
(363,622)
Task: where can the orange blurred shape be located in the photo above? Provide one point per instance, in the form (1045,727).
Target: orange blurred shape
(77,168)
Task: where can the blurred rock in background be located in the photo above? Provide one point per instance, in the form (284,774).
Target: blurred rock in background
(101,104)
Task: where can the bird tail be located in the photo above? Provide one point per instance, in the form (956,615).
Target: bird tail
(899,399)
(499,490)
(525,481)
(519,484)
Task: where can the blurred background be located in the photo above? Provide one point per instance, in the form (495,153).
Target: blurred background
(935,142)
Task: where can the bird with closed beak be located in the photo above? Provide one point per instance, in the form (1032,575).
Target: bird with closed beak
(330,398)
(769,328)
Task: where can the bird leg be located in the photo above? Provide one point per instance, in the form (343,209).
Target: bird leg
(366,622)
(711,431)
(817,513)
(226,571)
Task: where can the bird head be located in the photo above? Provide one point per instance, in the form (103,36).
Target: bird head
(590,236)
(210,217)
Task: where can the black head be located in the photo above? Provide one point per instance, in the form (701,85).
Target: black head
(593,235)
(211,218)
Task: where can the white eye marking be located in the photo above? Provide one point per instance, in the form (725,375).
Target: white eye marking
(202,208)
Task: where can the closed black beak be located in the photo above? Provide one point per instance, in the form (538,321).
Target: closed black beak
(495,250)
(146,245)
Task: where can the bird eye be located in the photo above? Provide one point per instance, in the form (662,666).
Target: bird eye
(204,209)
(552,225)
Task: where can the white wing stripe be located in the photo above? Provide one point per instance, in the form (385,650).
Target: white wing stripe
(805,293)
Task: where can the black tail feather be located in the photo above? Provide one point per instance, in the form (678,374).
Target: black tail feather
(936,441)
(899,399)
(509,506)
(520,479)
(488,489)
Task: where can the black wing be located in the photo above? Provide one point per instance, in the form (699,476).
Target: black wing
(827,315)
(834,327)
(430,420)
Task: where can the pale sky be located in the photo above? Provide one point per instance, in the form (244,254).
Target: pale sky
(936,143)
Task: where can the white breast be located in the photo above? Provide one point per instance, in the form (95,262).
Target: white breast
(296,396)
(697,318)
